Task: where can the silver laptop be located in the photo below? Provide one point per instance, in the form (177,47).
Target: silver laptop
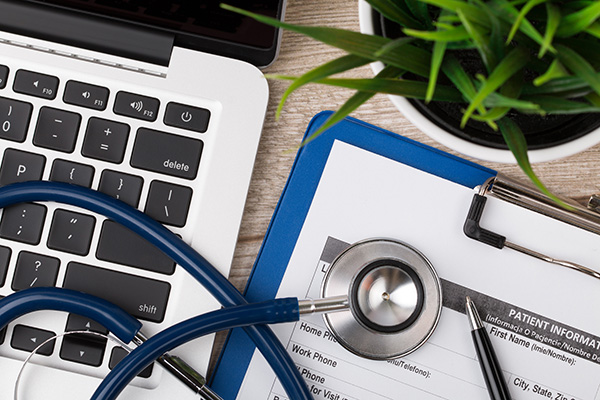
(159,104)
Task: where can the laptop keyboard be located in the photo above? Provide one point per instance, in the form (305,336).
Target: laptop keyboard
(111,140)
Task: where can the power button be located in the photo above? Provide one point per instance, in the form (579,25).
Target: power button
(187,117)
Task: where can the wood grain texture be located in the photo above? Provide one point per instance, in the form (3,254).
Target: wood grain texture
(576,177)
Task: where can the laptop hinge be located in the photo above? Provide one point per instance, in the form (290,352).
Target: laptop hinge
(86,31)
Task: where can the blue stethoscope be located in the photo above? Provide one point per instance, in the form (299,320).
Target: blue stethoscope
(391,290)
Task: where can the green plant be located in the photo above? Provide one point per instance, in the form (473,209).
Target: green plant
(538,57)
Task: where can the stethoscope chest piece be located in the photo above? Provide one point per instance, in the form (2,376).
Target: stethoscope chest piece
(394,296)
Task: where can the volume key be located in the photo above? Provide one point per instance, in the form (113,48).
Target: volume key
(86,95)
(136,106)
(36,84)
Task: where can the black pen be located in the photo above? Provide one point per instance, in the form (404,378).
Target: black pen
(490,367)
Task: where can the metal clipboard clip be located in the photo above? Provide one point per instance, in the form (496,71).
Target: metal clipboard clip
(516,193)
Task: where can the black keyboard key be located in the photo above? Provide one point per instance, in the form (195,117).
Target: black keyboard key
(57,129)
(21,166)
(166,153)
(105,140)
(3,76)
(14,119)
(23,223)
(80,323)
(187,117)
(71,232)
(136,106)
(35,84)
(119,353)
(35,270)
(5,253)
(71,172)
(121,186)
(141,297)
(86,95)
(27,338)
(83,350)
(168,203)
(120,245)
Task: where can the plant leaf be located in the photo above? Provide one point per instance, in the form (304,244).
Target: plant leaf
(587,48)
(496,44)
(479,38)
(400,87)
(497,100)
(578,21)
(457,75)
(466,45)
(558,105)
(557,86)
(579,66)
(393,46)
(521,16)
(351,104)
(509,91)
(390,10)
(594,99)
(411,58)
(513,62)
(514,138)
(455,72)
(555,70)
(419,10)
(453,5)
(439,49)
(552,22)
(594,29)
(338,65)
(502,105)
(455,34)
(508,13)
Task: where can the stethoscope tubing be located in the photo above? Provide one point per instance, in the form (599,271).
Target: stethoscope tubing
(174,247)
(268,312)
(113,318)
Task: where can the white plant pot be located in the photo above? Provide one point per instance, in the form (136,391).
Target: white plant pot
(464,146)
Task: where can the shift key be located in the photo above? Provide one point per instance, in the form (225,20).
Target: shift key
(166,153)
(141,297)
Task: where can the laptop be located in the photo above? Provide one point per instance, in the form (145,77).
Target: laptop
(157,103)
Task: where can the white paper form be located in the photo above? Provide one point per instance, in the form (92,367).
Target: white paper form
(543,320)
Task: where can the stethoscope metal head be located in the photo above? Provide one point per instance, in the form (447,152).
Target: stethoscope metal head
(394,294)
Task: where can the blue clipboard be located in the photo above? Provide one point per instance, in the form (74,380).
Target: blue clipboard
(293,207)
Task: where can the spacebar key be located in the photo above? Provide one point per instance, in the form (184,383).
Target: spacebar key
(141,297)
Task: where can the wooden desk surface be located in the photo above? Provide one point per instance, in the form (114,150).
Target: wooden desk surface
(576,176)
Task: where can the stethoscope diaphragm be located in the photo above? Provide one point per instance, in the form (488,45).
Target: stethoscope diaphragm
(394,296)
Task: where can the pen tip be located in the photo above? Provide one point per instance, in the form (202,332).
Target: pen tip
(472,313)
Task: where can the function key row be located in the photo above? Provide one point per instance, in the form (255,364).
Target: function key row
(95,97)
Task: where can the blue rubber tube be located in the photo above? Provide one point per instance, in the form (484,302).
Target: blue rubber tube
(113,318)
(174,247)
(268,312)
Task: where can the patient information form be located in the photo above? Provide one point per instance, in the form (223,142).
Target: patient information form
(542,319)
